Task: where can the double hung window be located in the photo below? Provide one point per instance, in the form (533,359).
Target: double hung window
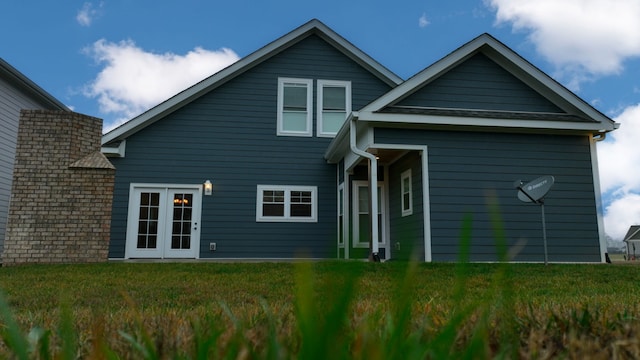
(295,106)
(295,103)
(277,203)
(407,195)
(334,105)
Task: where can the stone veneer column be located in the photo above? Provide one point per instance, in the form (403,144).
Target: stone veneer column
(60,209)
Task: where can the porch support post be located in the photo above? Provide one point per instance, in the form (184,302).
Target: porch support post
(373,186)
(373,209)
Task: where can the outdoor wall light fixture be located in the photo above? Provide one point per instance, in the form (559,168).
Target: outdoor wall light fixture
(208,187)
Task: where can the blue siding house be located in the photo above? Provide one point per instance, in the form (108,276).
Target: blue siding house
(274,158)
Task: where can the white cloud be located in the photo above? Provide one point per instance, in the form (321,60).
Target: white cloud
(134,80)
(619,165)
(582,38)
(620,214)
(423,21)
(88,12)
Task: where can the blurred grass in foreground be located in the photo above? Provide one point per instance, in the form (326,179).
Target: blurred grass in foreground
(327,309)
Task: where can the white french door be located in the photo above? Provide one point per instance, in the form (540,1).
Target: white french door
(163,221)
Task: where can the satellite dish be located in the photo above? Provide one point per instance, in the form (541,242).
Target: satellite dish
(534,190)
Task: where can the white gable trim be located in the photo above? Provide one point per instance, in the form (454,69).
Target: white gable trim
(312,27)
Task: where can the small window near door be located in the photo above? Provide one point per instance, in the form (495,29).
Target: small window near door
(407,194)
(286,203)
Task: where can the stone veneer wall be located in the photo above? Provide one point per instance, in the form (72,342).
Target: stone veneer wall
(60,209)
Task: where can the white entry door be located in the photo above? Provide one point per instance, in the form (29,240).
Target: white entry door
(164,222)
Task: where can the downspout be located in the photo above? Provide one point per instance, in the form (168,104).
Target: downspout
(373,187)
(598,195)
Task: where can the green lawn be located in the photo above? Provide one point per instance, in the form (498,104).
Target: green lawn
(321,310)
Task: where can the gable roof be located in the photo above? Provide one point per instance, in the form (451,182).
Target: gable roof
(313,27)
(575,113)
(633,233)
(20,81)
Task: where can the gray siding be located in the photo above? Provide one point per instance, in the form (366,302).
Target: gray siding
(406,232)
(479,83)
(229,137)
(11,102)
(467,169)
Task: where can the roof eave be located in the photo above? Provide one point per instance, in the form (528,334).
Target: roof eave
(30,87)
(457,122)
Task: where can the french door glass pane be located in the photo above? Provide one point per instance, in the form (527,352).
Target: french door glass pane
(148,224)
(181,229)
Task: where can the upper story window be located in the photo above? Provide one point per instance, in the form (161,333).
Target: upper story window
(295,103)
(334,104)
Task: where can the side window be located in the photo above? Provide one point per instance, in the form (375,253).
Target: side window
(286,203)
(334,105)
(407,194)
(295,103)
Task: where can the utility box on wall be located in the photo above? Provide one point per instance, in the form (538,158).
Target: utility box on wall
(61,196)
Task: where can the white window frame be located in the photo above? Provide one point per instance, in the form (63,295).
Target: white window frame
(320,92)
(356,212)
(287,203)
(308,83)
(406,211)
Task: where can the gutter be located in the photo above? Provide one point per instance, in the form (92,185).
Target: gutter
(373,187)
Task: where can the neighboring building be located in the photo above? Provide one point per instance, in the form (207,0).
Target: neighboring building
(293,136)
(632,242)
(17,92)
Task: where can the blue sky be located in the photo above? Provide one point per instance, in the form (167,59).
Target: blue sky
(116,58)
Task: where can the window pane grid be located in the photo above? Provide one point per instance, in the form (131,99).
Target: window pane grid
(286,204)
(181,223)
(148,220)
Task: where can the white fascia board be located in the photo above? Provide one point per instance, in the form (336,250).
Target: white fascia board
(479,122)
(115,151)
(246,63)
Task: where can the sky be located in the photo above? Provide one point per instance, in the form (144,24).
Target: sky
(114,59)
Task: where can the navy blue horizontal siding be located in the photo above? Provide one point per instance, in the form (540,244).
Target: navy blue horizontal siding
(406,232)
(462,185)
(229,137)
(479,83)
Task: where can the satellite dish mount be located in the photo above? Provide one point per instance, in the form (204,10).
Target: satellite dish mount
(534,192)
